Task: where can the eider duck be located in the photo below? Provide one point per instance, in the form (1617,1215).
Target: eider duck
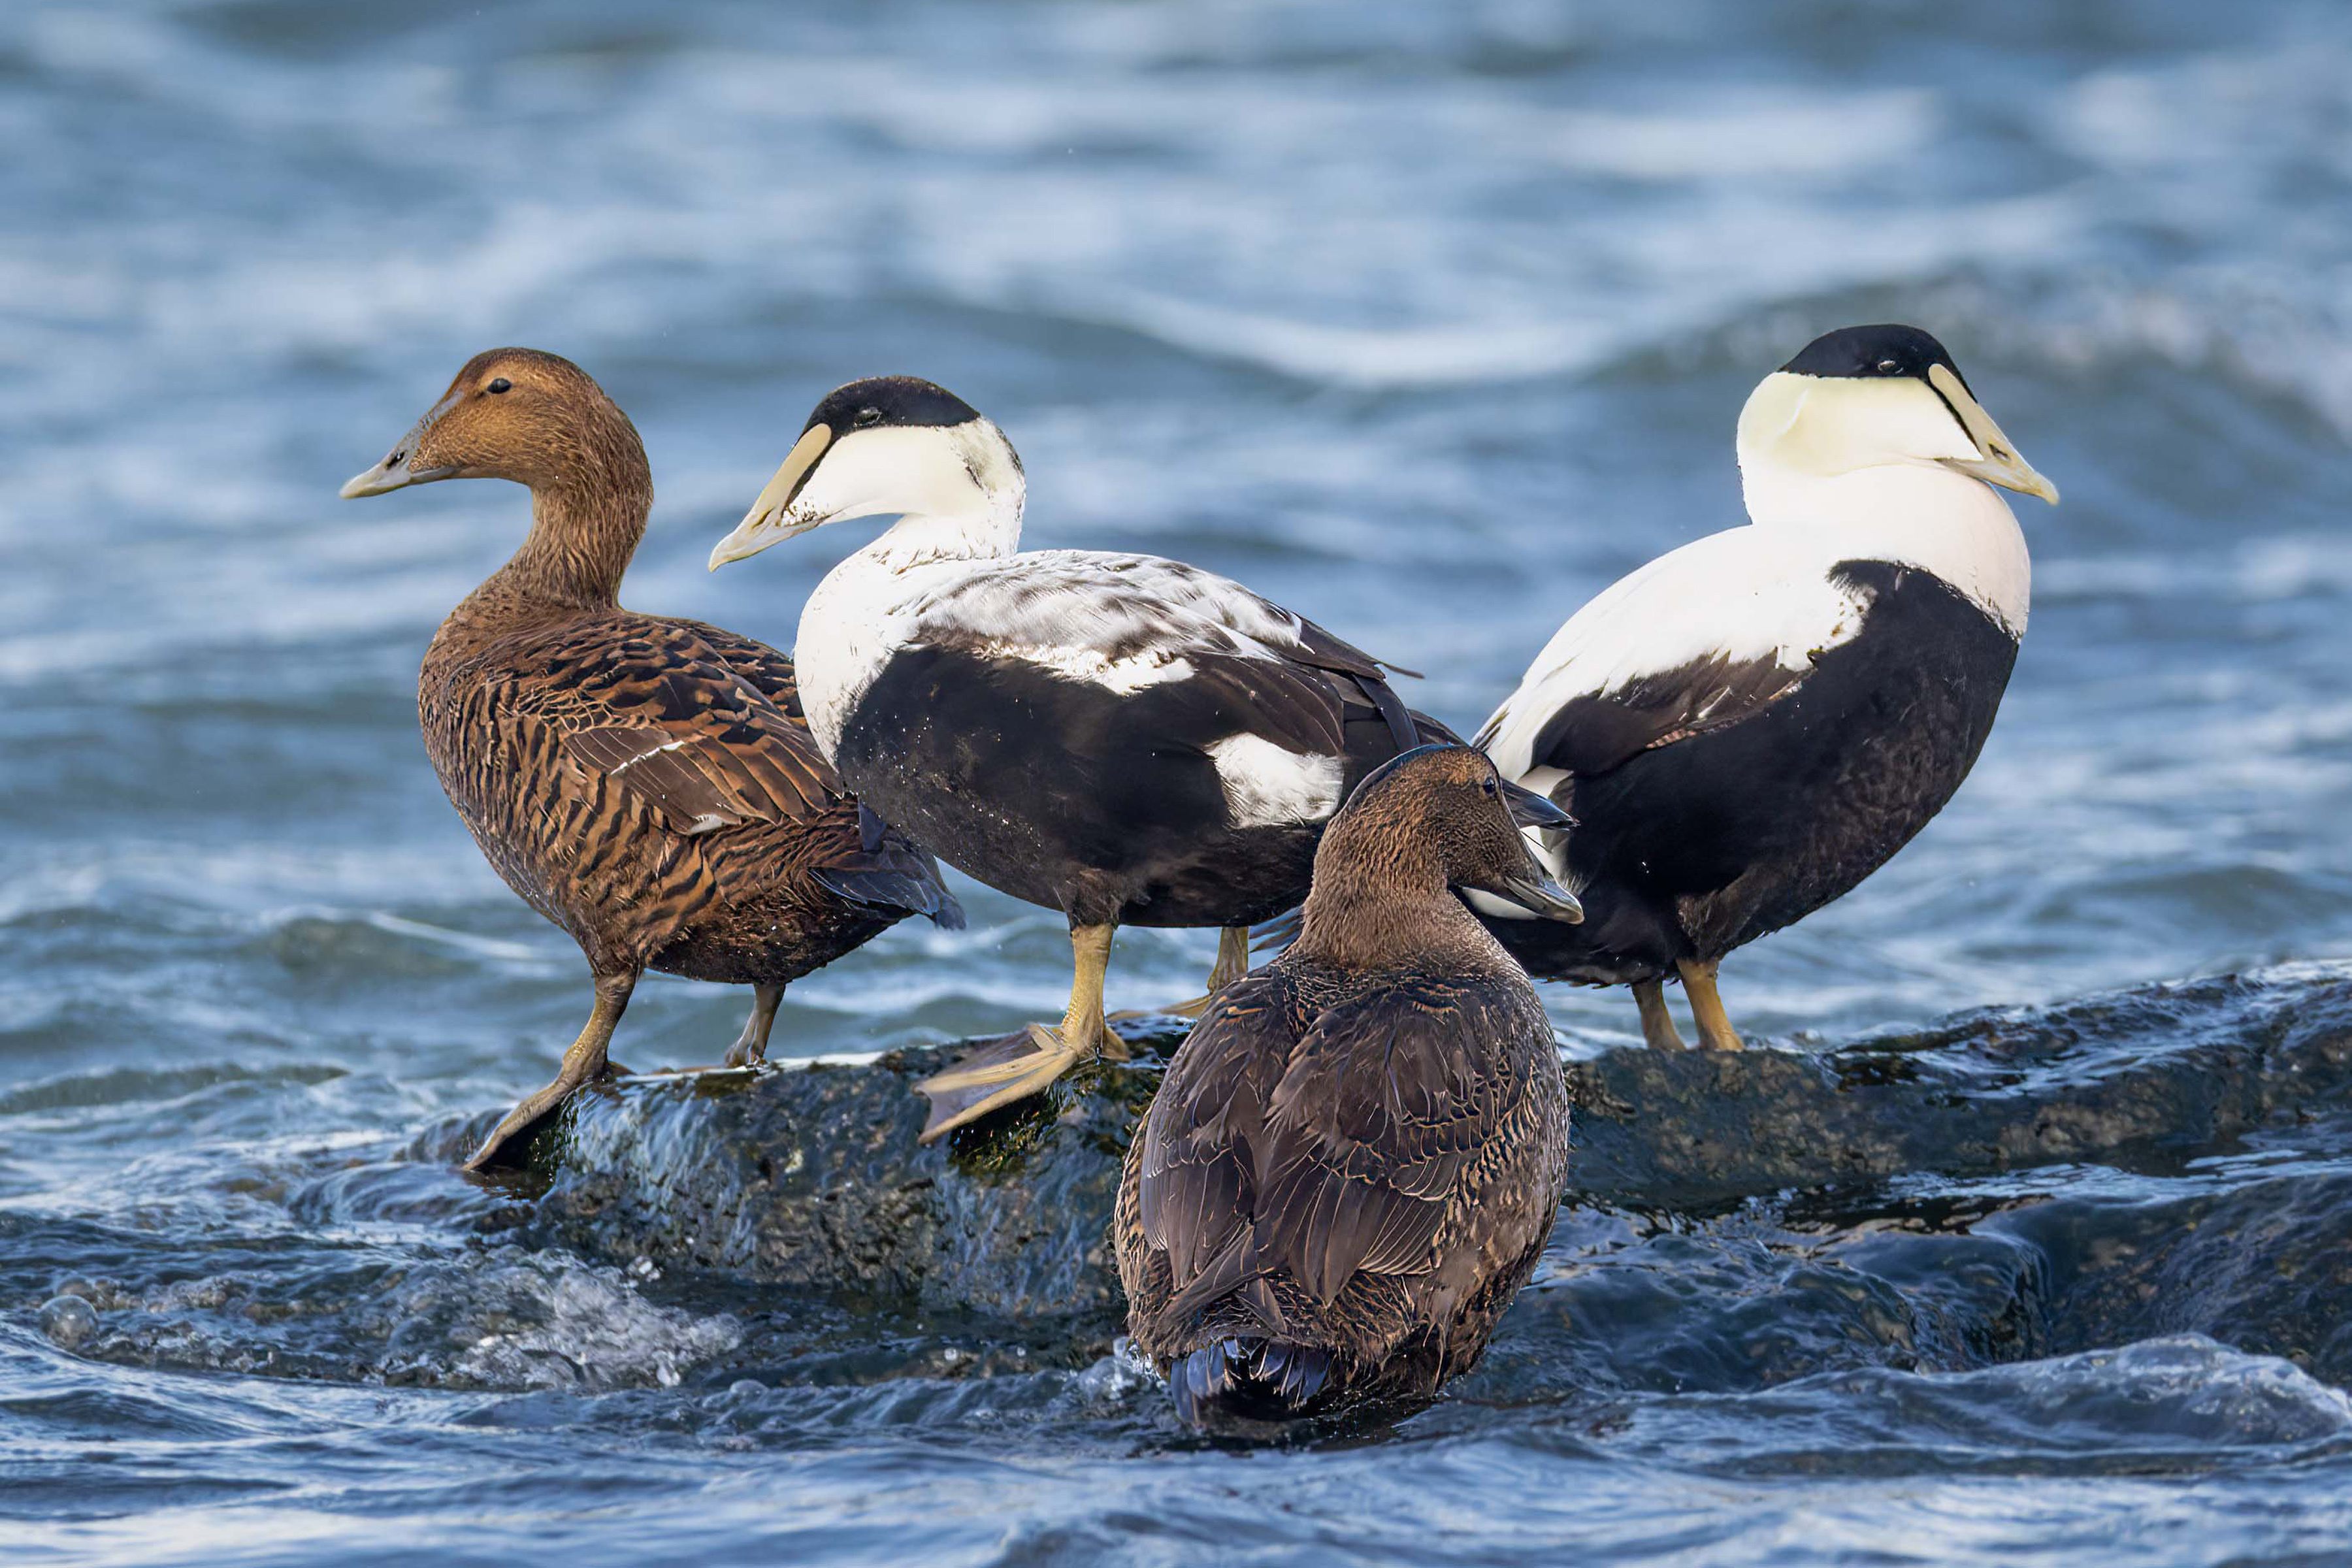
(1126,739)
(1354,1160)
(1751,724)
(647,783)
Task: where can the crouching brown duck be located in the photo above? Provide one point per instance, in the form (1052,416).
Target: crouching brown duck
(648,783)
(1354,1160)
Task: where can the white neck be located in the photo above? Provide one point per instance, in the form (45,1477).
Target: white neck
(989,530)
(856,618)
(1917,514)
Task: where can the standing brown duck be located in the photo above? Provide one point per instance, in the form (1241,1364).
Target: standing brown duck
(648,783)
(1354,1162)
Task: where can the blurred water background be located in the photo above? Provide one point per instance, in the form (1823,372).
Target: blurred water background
(1427,319)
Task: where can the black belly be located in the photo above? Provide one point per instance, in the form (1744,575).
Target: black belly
(1063,792)
(1700,846)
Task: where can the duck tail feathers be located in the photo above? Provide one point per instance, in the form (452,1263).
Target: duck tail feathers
(897,876)
(1251,1379)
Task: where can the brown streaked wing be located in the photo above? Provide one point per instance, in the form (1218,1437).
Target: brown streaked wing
(770,673)
(1197,1186)
(1383,1109)
(652,707)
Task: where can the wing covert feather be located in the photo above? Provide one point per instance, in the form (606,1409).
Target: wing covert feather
(1333,1151)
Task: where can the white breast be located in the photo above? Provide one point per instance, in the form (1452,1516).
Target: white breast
(1912,514)
(851,626)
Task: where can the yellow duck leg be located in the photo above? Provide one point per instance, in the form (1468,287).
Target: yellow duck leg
(1714,1030)
(1657,1024)
(1022,1065)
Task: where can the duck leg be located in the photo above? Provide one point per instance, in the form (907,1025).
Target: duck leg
(1657,1024)
(1714,1030)
(1022,1065)
(583,1063)
(1233,958)
(750,1046)
(1233,963)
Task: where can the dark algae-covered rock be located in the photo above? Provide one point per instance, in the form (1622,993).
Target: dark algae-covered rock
(1936,1199)
(2183,1067)
(812,1177)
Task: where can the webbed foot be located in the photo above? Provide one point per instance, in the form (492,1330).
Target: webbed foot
(584,1062)
(996,1075)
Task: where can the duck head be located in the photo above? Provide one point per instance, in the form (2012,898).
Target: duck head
(886,446)
(1438,818)
(1863,398)
(513,413)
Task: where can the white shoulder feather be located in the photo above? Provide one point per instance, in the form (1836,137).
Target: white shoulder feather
(1741,597)
(1118,620)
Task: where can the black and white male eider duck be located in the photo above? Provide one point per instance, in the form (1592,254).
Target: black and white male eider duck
(1355,1158)
(1126,739)
(647,783)
(1749,725)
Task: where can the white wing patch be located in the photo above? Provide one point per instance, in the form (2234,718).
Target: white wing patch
(1123,675)
(1088,607)
(1121,622)
(1266,786)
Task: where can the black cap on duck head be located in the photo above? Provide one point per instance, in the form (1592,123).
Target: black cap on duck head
(1875,396)
(883,401)
(514,414)
(889,445)
(1886,350)
(1440,814)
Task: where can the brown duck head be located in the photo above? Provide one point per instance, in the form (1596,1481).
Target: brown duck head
(541,421)
(1431,822)
(518,413)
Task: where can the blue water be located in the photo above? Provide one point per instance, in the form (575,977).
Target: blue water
(1428,319)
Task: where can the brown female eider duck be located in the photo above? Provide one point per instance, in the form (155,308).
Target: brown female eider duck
(647,783)
(1751,724)
(1354,1159)
(1128,740)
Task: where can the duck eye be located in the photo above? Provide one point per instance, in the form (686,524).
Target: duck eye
(1888,366)
(865,416)
(1487,786)
(501,385)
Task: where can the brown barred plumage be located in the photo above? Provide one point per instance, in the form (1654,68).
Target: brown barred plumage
(648,783)
(1353,1162)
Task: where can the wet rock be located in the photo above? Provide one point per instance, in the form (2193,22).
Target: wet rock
(1875,1249)
(68,1321)
(2159,1072)
(811,1177)
(2262,1263)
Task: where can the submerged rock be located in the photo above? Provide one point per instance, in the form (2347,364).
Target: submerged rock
(68,1321)
(1901,1223)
